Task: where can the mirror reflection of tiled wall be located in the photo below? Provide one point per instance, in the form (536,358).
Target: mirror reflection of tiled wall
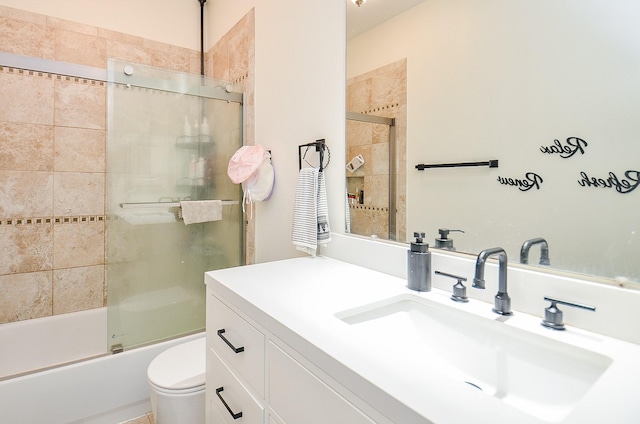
(381,92)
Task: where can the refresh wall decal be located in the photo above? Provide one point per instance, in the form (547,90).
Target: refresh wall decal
(621,185)
(570,147)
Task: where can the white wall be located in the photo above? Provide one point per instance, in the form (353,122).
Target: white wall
(299,97)
(222,15)
(175,22)
(300,92)
(499,79)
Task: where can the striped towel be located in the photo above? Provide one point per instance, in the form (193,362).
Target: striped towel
(310,212)
(347,212)
(324,231)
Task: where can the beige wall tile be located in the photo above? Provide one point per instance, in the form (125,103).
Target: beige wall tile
(376,190)
(128,51)
(26,98)
(359,133)
(26,147)
(380,133)
(26,194)
(80,48)
(380,159)
(384,89)
(23,15)
(77,289)
(25,296)
(77,27)
(79,150)
(20,34)
(78,193)
(359,96)
(239,45)
(170,57)
(79,244)
(80,104)
(120,37)
(26,248)
(218,59)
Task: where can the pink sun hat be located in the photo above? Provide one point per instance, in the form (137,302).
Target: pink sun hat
(245,162)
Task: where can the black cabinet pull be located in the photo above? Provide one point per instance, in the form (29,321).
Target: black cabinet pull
(235,416)
(235,349)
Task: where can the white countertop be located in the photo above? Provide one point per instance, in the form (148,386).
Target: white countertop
(297,299)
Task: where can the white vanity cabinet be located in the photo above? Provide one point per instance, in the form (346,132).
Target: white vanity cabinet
(235,367)
(249,372)
(320,341)
(298,396)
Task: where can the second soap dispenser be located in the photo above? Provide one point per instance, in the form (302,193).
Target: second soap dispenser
(419,265)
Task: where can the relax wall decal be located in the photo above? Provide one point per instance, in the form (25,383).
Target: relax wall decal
(572,146)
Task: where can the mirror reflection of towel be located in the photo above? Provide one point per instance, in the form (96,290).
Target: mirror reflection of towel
(324,231)
(310,212)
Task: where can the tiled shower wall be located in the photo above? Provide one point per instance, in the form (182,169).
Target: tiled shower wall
(52,162)
(233,59)
(381,92)
(52,186)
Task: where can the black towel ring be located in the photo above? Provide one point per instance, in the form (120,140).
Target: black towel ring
(320,147)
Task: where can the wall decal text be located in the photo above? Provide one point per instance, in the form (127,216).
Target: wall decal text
(612,181)
(531,180)
(572,146)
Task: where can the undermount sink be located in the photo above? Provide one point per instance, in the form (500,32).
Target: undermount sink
(538,375)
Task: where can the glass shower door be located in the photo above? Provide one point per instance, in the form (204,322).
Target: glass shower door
(171,136)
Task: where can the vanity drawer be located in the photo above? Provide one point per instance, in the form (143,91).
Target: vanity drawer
(237,343)
(298,396)
(230,400)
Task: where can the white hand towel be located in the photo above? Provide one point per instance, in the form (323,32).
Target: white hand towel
(310,212)
(197,211)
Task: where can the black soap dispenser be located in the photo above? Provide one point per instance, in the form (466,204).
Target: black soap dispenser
(443,242)
(419,265)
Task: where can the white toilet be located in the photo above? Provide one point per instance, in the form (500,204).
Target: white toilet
(176,379)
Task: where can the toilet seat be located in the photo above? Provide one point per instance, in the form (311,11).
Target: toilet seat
(177,392)
(180,369)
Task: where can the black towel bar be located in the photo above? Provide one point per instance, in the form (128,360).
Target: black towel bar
(491,164)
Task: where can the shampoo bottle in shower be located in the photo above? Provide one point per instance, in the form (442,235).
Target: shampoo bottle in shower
(200,171)
(204,127)
(192,168)
(186,128)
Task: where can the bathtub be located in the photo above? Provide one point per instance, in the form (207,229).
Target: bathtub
(105,390)
(51,341)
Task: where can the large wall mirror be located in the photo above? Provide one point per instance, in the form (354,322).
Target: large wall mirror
(549,90)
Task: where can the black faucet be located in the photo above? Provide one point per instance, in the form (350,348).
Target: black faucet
(544,251)
(502,301)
